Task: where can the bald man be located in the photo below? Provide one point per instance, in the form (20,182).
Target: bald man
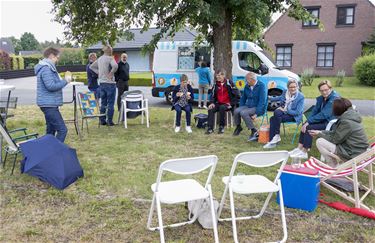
(122,78)
(252,104)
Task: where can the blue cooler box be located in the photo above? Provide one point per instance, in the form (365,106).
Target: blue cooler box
(300,188)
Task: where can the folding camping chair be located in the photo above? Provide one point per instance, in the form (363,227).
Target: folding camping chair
(184,190)
(254,184)
(89,107)
(12,146)
(363,162)
(133,96)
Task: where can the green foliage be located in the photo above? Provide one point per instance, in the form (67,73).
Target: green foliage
(369,46)
(28,42)
(340,76)
(307,76)
(136,79)
(364,69)
(5,61)
(16,44)
(17,62)
(32,60)
(71,56)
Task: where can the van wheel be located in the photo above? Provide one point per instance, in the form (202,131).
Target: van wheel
(168,96)
(275,104)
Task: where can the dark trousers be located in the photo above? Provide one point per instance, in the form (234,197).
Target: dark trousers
(305,138)
(122,86)
(211,115)
(179,110)
(55,123)
(96,91)
(276,120)
(108,96)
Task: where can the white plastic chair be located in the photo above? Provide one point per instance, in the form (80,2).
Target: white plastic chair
(252,184)
(134,96)
(184,190)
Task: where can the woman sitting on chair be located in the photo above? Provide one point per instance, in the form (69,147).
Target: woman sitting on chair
(291,111)
(347,138)
(183,97)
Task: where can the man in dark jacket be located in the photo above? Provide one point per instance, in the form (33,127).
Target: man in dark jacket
(223,99)
(122,78)
(92,77)
(253,103)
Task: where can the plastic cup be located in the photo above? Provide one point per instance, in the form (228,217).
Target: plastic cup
(296,162)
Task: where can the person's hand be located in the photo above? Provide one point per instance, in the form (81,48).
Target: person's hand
(253,117)
(303,129)
(188,95)
(211,106)
(179,94)
(314,132)
(281,108)
(68,76)
(110,76)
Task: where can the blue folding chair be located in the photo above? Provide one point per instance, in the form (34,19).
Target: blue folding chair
(305,114)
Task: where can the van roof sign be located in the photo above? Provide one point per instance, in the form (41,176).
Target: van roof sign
(236,45)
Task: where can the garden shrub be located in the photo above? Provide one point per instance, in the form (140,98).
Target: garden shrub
(5,61)
(72,56)
(32,60)
(17,62)
(340,76)
(307,76)
(364,69)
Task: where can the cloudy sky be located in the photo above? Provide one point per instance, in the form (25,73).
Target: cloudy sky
(19,16)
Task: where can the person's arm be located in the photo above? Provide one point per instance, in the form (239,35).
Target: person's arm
(339,134)
(89,77)
(261,107)
(94,67)
(117,72)
(51,80)
(299,108)
(174,94)
(243,97)
(190,89)
(209,76)
(324,115)
(114,66)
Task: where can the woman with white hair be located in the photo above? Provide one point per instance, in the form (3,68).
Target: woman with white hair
(290,111)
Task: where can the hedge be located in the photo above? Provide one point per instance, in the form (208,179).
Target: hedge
(5,61)
(364,69)
(72,56)
(17,62)
(32,60)
(82,77)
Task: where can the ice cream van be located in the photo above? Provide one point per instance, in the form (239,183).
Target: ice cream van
(171,59)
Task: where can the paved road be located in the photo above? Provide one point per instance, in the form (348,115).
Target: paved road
(25,90)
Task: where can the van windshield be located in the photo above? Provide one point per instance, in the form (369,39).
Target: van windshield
(249,61)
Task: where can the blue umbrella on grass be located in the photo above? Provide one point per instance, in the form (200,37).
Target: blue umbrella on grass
(51,161)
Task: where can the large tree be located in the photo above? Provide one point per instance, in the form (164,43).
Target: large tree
(217,21)
(28,42)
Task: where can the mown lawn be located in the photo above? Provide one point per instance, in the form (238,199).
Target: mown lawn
(351,89)
(111,202)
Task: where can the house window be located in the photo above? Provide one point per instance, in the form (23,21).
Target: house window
(284,55)
(315,12)
(345,15)
(325,55)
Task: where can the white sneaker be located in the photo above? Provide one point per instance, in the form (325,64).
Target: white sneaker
(188,129)
(205,107)
(301,154)
(177,129)
(199,106)
(269,145)
(275,139)
(294,151)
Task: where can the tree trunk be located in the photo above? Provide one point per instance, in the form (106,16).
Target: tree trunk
(222,40)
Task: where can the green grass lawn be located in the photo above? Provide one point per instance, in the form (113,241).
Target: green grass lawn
(351,89)
(112,201)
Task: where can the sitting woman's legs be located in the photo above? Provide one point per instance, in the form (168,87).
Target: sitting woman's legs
(178,115)
(328,150)
(305,139)
(187,110)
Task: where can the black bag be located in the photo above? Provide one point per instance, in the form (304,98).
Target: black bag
(201,120)
(133,105)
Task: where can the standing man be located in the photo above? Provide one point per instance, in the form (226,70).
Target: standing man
(49,93)
(106,67)
(252,104)
(122,78)
(92,77)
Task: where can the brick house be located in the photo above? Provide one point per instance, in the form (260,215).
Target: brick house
(298,45)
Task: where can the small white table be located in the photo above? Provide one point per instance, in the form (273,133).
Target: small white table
(4,88)
(74,101)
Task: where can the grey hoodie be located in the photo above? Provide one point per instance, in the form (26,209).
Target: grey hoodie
(103,66)
(348,134)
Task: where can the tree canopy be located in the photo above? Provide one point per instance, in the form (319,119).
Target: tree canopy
(216,21)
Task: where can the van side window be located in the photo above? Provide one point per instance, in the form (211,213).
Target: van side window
(203,54)
(249,61)
(186,58)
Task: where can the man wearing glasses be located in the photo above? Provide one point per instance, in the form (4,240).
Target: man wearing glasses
(318,120)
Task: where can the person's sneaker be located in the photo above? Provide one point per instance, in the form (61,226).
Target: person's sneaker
(276,139)
(221,130)
(209,131)
(188,129)
(205,107)
(110,124)
(237,131)
(199,107)
(253,137)
(103,123)
(294,151)
(177,129)
(269,145)
(301,154)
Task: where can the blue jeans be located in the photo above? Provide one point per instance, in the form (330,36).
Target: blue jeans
(276,120)
(179,109)
(55,122)
(108,96)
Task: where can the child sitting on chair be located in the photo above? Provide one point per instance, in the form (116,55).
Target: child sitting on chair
(183,97)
